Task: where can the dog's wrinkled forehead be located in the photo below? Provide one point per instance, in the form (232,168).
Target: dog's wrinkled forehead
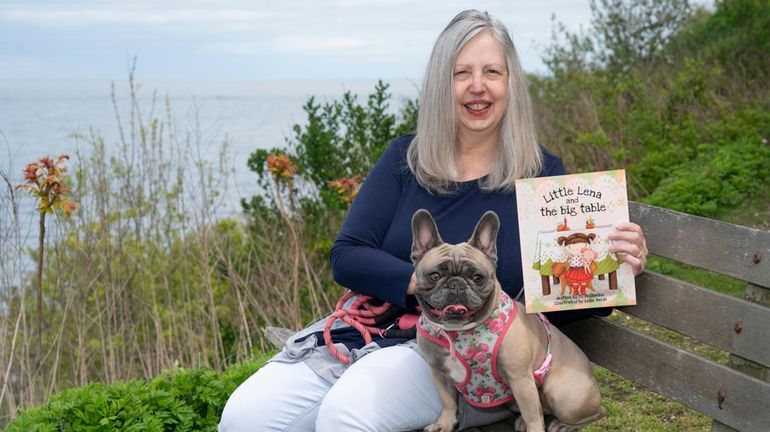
(456,258)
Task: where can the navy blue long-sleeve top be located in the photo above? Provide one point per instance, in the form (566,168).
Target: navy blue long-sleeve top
(371,254)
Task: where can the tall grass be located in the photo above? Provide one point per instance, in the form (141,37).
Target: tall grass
(147,275)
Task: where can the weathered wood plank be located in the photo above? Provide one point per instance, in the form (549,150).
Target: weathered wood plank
(734,325)
(278,335)
(502,426)
(677,374)
(717,246)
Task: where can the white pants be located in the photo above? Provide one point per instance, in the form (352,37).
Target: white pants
(390,389)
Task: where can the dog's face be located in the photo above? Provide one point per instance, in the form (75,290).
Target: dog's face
(456,285)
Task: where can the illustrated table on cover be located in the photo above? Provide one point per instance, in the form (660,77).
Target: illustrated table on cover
(548,252)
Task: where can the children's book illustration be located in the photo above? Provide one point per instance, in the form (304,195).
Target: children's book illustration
(564,223)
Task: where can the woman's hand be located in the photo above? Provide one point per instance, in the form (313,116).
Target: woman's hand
(628,240)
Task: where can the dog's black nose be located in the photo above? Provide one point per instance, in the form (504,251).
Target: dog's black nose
(457,284)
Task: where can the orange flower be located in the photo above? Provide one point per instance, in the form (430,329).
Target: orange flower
(68,207)
(282,168)
(46,162)
(30,172)
(346,188)
(42,179)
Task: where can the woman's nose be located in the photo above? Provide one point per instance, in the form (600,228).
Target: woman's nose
(477,83)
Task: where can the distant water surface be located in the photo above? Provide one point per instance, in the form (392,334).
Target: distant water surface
(39,117)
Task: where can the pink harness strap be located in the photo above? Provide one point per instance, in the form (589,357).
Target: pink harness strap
(540,373)
(492,331)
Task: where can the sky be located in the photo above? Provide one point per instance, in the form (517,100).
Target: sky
(254,39)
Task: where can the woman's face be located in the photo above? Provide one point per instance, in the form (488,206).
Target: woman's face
(480,80)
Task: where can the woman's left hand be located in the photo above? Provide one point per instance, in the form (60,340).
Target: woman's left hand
(628,240)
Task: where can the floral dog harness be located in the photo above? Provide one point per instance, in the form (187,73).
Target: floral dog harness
(476,349)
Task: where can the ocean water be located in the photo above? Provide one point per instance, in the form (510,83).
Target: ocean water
(39,118)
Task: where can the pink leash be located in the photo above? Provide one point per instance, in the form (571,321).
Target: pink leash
(360,315)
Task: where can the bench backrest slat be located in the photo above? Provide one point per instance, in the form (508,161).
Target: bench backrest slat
(717,246)
(682,376)
(734,325)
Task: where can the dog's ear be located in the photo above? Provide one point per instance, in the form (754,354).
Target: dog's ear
(485,235)
(424,234)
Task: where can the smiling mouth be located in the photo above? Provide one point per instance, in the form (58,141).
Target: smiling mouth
(477,108)
(480,106)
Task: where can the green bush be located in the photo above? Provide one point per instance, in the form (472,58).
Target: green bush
(308,185)
(726,171)
(686,116)
(341,138)
(178,400)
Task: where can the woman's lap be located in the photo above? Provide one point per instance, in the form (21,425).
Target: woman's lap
(278,397)
(390,389)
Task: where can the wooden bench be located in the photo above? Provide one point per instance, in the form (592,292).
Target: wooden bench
(736,396)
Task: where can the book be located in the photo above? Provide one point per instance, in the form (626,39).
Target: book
(564,222)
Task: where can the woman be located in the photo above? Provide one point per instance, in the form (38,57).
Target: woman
(475,137)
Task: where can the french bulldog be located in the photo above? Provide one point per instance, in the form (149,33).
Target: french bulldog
(481,343)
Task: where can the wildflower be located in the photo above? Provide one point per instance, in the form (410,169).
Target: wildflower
(43,180)
(282,167)
(30,172)
(347,188)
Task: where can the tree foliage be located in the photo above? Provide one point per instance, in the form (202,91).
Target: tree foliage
(652,87)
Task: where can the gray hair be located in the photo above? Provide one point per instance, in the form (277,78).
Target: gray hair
(519,155)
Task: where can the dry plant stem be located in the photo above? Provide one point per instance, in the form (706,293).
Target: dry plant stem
(7,374)
(274,275)
(161,354)
(11,354)
(39,284)
(297,251)
(55,367)
(236,286)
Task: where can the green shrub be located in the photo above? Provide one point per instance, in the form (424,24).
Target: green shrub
(727,170)
(341,138)
(178,400)
(686,116)
(307,187)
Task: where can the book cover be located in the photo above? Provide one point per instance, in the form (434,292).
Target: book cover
(563,225)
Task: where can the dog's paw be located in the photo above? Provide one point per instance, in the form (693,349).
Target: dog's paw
(557,426)
(438,427)
(519,425)
(444,423)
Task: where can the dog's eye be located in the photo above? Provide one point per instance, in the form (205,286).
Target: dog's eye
(477,278)
(434,277)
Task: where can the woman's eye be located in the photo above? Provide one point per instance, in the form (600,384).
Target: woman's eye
(461,73)
(477,278)
(434,277)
